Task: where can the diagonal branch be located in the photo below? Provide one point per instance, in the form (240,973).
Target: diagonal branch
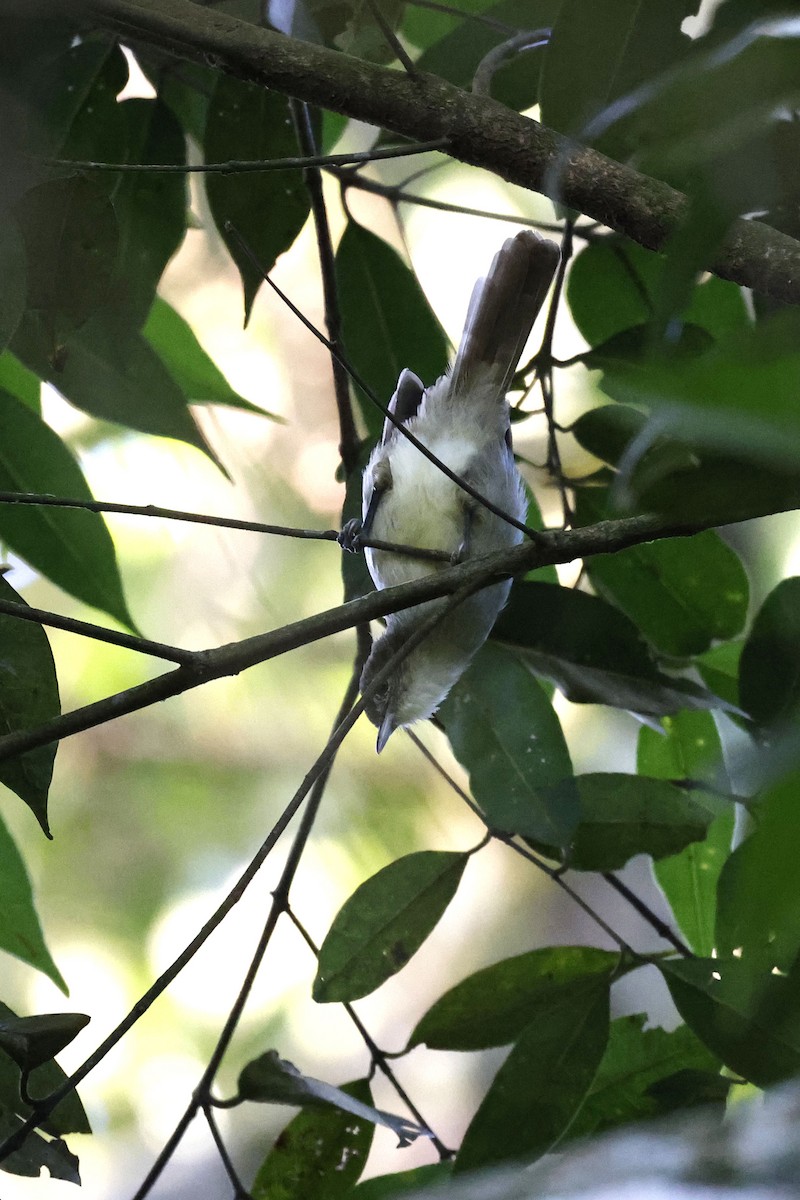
(478,129)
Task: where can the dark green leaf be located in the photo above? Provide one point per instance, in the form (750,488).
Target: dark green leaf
(20,930)
(504,731)
(769,669)
(635,345)
(13,273)
(350,25)
(689,748)
(541,1085)
(199,379)
(647,1073)
(384,923)
(20,382)
(67,1117)
(28,697)
(496,1004)
(624,815)
(319,1155)
(71,547)
(37,1153)
(591,651)
(404,1183)
(267,210)
(70,234)
(114,374)
(31,1041)
(747,1017)
(387,323)
(719,668)
(598,52)
(270,1079)
(85,122)
(150,207)
(683,593)
(758,914)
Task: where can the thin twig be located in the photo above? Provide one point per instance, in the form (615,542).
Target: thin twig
(392,40)
(98,633)
(661,927)
(240,1192)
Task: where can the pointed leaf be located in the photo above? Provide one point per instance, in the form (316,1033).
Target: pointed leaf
(267,209)
(769,669)
(504,731)
(319,1155)
(71,547)
(384,923)
(387,323)
(689,748)
(20,382)
(31,1041)
(67,1117)
(28,697)
(20,929)
(495,1005)
(270,1079)
(37,1153)
(542,1084)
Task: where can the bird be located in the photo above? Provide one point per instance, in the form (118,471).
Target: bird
(463,420)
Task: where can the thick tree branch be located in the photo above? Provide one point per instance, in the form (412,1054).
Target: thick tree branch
(478,129)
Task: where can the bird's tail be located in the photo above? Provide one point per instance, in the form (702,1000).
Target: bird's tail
(502,310)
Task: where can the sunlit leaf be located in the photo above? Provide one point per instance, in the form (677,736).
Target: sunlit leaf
(504,731)
(384,923)
(20,928)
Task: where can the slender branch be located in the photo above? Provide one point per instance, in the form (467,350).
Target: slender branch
(555,546)
(240,1192)
(646,913)
(478,129)
(243,166)
(40,616)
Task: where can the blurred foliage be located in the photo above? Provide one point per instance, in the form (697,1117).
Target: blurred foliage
(698,424)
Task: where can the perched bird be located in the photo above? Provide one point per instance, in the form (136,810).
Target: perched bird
(463,419)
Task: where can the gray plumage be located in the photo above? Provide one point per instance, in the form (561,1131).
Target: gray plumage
(463,419)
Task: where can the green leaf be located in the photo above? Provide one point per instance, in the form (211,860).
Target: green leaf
(747,1017)
(403,1183)
(647,1073)
(319,1155)
(384,923)
(114,374)
(267,209)
(758,913)
(150,207)
(624,815)
(689,748)
(70,234)
(600,51)
(13,272)
(66,1117)
(591,651)
(387,324)
(31,1041)
(20,930)
(20,382)
(28,697)
(542,1084)
(503,730)
(496,1004)
(71,547)
(350,26)
(196,375)
(769,668)
(37,1153)
(270,1079)
(683,593)
(719,669)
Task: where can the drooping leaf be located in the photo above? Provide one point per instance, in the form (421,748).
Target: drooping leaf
(758,913)
(591,651)
(319,1155)
(624,815)
(387,324)
(71,547)
(769,668)
(201,382)
(20,929)
(32,1041)
(268,209)
(384,923)
(746,1016)
(37,1153)
(496,1004)
(689,748)
(270,1079)
(504,731)
(647,1073)
(28,697)
(70,234)
(542,1084)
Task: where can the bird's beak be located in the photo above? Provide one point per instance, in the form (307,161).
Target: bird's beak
(386,730)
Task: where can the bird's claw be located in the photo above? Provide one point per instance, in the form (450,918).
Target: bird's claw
(351,535)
